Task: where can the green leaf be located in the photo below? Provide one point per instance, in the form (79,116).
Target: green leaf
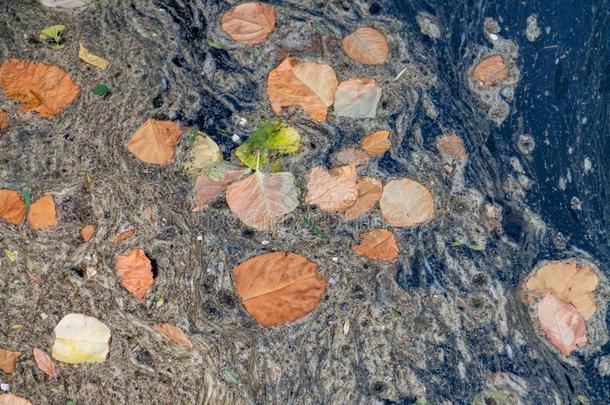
(216,45)
(272,138)
(231,377)
(319,28)
(27,198)
(69,402)
(256,53)
(53,32)
(314,228)
(160,302)
(11,255)
(100,90)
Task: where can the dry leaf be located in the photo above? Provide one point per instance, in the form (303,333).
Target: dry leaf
(63,3)
(377,143)
(10,399)
(261,199)
(42,88)
(491,70)
(44,363)
(92,59)
(366,45)
(379,244)
(206,188)
(569,281)
(42,214)
(174,333)
(332,191)
(249,23)
(405,202)
(357,98)
(204,154)
(562,324)
(87,232)
(135,270)
(8,360)
(369,192)
(155,141)
(309,85)
(12,207)
(80,339)
(4,120)
(349,156)
(453,146)
(279,287)
(123,236)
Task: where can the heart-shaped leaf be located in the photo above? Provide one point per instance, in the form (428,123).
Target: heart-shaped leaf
(8,360)
(377,143)
(379,244)
(42,214)
(135,270)
(357,98)
(155,141)
(405,202)
(270,138)
(12,207)
(369,192)
(562,324)
(10,399)
(332,191)
(249,23)
(80,339)
(210,185)
(452,146)
(366,45)
(205,153)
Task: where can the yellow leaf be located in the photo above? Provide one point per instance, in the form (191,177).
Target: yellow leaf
(92,59)
(204,154)
(80,339)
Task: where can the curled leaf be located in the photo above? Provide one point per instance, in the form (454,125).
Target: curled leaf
(377,143)
(10,399)
(491,70)
(349,156)
(12,207)
(212,184)
(124,235)
(332,191)
(135,271)
(174,333)
(8,360)
(562,323)
(42,214)
(249,23)
(4,120)
(405,202)
(379,244)
(87,232)
(452,146)
(366,45)
(44,363)
(92,59)
(357,98)
(271,138)
(80,339)
(154,142)
(369,192)
(279,287)
(204,154)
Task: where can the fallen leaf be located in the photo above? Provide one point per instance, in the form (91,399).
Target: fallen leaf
(63,3)
(377,143)
(174,333)
(379,244)
(568,280)
(80,339)
(332,191)
(271,138)
(154,142)
(491,70)
(12,207)
(126,234)
(43,88)
(349,156)
(87,232)
(53,32)
(309,85)
(357,98)
(42,214)
(100,90)
(92,59)
(279,287)
(135,271)
(204,154)
(366,45)
(249,23)
(8,360)
(369,192)
(44,363)
(562,324)
(405,202)
(262,199)
(10,399)
(4,120)
(452,146)
(208,188)
(11,255)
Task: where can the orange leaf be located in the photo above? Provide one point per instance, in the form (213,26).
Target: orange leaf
(309,85)
(453,146)
(123,235)
(562,324)
(87,232)
(369,192)
(350,155)
(405,202)
(4,120)
(207,189)
(42,214)
(279,287)
(378,244)
(10,399)
(42,88)
(366,45)
(491,70)
(357,98)
(44,363)
(154,142)
(135,271)
(249,23)
(377,143)
(332,191)
(8,360)
(12,207)
(174,333)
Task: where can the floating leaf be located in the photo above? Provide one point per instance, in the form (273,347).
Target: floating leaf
(100,90)
(211,185)
(8,360)
(315,228)
(405,202)
(379,244)
(272,137)
(80,339)
(262,199)
(87,232)
(279,287)
(332,191)
(4,120)
(160,302)
(377,143)
(309,85)
(357,98)
(10,399)
(319,28)
(369,192)
(452,146)
(53,32)
(11,255)
(174,333)
(124,235)
(12,207)
(42,214)
(92,59)
(42,88)
(249,23)
(64,3)
(44,363)
(490,70)
(204,153)
(366,45)
(154,142)
(349,156)
(135,271)
(563,325)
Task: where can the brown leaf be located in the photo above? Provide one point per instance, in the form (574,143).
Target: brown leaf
(4,120)
(44,363)
(369,192)
(405,202)
(562,324)
(135,271)
(357,98)
(309,85)
(348,156)
(155,141)
(279,287)
(126,234)
(42,214)
(12,207)
(174,333)
(377,143)
(379,244)
(491,70)
(10,399)
(8,360)
(207,189)
(366,45)
(332,191)
(87,232)
(568,280)
(42,88)
(453,146)
(249,23)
